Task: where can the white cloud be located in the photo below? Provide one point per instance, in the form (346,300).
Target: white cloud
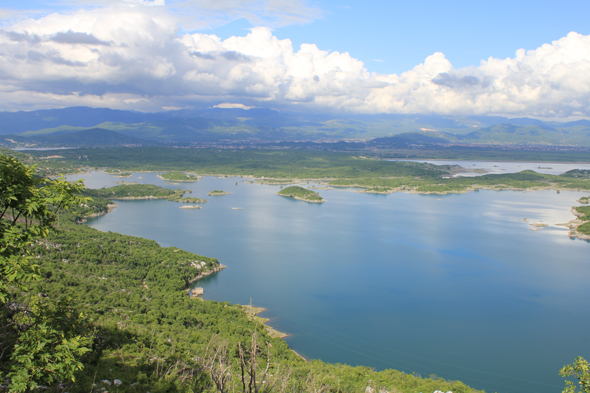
(135,57)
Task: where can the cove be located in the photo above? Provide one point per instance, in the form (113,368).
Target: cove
(455,285)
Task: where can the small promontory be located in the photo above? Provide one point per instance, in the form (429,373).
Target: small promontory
(302,194)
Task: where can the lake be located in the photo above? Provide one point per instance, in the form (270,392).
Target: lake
(455,285)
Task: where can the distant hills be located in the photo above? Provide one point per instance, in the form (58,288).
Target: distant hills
(93,137)
(94,127)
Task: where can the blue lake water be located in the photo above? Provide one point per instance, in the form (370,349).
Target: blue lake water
(455,285)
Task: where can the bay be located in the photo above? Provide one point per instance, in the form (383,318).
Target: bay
(455,285)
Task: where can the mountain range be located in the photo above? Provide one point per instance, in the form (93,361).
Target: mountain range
(92,127)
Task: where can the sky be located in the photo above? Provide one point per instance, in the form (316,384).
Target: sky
(508,58)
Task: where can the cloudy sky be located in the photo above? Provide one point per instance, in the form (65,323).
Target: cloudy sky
(511,58)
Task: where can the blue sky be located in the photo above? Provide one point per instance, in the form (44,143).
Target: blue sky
(385,53)
(404,33)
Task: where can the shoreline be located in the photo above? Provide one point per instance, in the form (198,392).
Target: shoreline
(253,312)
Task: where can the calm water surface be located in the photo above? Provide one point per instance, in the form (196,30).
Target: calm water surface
(455,285)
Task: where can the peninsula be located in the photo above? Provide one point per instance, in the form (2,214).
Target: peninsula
(301,194)
(143,191)
(178,177)
(218,192)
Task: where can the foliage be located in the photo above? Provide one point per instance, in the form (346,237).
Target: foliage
(51,346)
(579,369)
(298,192)
(40,339)
(28,207)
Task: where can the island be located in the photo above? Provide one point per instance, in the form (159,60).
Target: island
(218,192)
(583,200)
(301,194)
(178,176)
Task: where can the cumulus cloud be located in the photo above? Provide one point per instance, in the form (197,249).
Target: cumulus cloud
(135,58)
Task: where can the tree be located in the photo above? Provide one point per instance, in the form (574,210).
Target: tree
(41,339)
(581,370)
(28,208)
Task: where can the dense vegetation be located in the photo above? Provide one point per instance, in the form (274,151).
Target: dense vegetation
(178,176)
(301,193)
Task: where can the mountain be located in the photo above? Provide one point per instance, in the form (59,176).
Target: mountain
(93,137)
(80,116)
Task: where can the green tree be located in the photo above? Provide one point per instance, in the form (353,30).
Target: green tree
(41,340)
(29,206)
(48,351)
(579,369)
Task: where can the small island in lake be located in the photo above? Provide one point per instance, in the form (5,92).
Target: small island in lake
(583,200)
(178,176)
(302,194)
(218,192)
